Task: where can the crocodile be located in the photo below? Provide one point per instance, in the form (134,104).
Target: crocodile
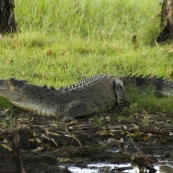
(92,95)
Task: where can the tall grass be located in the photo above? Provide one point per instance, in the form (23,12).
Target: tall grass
(97,19)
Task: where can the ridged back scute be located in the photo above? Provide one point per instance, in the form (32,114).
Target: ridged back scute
(88,82)
(161,85)
(96,92)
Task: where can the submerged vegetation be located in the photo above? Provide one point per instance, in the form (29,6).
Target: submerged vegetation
(64,41)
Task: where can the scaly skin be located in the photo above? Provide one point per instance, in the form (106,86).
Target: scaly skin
(162,87)
(92,95)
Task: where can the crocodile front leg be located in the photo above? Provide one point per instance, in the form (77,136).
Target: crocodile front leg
(75,109)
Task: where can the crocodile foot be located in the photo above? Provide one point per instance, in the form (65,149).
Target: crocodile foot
(67,119)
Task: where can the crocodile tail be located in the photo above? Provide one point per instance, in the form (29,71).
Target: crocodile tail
(162,86)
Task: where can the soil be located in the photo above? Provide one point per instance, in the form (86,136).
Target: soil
(46,143)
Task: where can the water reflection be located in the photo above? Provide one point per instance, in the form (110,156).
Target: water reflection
(166,169)
(103,168)
(112,168)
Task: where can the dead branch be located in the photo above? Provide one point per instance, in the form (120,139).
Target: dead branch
(16,154)
(141,162)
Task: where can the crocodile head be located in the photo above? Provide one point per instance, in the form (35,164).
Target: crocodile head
(11,88)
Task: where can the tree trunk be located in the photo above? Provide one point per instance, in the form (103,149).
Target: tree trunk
(166,21)
(7,19)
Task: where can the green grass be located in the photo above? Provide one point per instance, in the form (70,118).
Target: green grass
(147,100)
(85,38)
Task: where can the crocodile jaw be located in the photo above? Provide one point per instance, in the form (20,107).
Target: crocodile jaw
(9,91)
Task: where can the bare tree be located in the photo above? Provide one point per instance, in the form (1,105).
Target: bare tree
(7,18)
(166,21)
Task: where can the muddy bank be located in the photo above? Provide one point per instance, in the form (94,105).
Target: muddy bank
(45,143)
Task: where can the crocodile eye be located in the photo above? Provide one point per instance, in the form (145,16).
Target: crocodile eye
(11,79)
(52,88)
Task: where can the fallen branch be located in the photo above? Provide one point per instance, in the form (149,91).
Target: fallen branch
(141,162)
(15,150)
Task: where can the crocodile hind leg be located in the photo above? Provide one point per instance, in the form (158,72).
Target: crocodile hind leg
(121,95)
(75,109)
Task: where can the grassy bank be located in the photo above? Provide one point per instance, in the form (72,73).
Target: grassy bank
(63,41)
